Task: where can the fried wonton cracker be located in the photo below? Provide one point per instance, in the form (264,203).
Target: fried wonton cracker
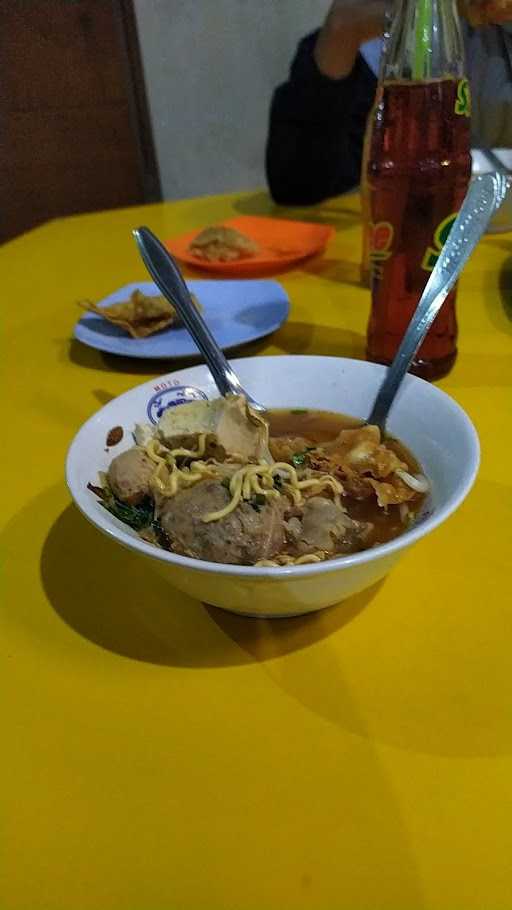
(222,244)
(141,315)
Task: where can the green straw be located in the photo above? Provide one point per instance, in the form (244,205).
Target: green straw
(422,40)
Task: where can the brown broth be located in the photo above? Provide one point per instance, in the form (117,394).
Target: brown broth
(319,426)
(323,426)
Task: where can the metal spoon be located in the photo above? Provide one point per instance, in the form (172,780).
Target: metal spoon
(167,276)
(485,195)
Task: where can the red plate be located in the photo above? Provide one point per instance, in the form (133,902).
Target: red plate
(282,242)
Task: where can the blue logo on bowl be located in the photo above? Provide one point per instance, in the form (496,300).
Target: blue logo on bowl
(171,398)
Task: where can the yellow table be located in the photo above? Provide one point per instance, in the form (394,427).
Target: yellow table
(159,754)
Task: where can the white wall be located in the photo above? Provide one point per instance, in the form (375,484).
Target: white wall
(210,68)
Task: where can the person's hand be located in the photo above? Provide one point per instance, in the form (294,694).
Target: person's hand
(349,24)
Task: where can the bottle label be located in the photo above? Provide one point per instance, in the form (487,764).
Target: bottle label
(463,101)
(381,239)
(432,253)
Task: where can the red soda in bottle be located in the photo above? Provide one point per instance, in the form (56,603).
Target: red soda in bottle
(419,167)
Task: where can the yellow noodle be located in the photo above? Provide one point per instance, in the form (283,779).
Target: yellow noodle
(162,456)
(156,480)
(248,480)
(236,481)
(285,560)
(189,453)
(321,482)
(251,483)
(294,494)
(262,491)
(248,473)
(201,467)
(294,485)
(307,558)
(190,478)
(236,493)
(243,484)
(259,479)
(178,478)
(172,487)
(284,466)
(150,449)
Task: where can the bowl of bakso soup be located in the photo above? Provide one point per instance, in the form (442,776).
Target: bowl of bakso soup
(276,514)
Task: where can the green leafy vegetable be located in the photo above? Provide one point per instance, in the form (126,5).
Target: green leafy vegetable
(258,501)
(137,517)
(300,457)
(161,535)
(98,491)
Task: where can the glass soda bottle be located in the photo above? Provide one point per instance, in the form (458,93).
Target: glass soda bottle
(365,271)
(418,170)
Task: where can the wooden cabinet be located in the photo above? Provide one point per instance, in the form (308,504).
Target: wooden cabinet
(75,134)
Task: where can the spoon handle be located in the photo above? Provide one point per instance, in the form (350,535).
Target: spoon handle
(167,276)
(484,196)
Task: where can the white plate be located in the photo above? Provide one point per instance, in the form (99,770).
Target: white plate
(235,311)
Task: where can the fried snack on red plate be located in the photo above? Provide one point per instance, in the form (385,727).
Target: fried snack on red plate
(222,244)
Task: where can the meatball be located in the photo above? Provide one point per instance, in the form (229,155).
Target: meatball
(243,537)
(283,448)
(324,525)
(129,475)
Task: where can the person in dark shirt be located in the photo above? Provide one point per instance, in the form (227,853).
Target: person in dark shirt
(318,117)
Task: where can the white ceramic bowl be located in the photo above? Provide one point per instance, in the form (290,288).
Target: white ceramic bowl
(429,422)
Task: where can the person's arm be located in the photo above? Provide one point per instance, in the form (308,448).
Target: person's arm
(318,117)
